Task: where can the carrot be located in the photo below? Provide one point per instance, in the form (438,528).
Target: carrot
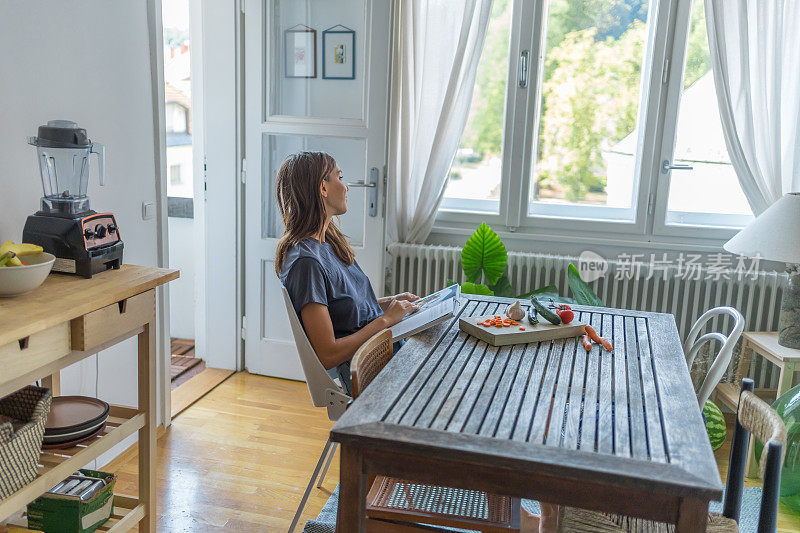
(606,344)
(592,333)
(598,339)
(587,343)
(521,328)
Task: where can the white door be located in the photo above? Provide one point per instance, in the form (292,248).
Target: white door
(316,78)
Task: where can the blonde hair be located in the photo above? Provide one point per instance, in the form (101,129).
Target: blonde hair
(302,208)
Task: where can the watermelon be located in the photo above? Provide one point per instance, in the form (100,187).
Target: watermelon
(715,424)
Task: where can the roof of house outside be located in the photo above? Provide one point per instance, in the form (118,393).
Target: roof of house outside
(699,130)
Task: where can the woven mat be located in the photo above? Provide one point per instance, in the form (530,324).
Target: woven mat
(751,504)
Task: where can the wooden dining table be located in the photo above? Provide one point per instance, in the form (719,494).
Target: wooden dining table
(617,431)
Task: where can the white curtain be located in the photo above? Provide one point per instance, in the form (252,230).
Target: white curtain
(755,55)
(435,55)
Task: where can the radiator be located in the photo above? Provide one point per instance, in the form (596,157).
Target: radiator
(422,269)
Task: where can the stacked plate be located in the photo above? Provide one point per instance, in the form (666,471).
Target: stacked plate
(74,419)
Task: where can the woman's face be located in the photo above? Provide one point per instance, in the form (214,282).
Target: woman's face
(334,193)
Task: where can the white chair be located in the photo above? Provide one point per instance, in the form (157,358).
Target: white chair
(324,393)
(723,358)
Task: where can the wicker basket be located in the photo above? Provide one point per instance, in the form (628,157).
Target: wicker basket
(20,449)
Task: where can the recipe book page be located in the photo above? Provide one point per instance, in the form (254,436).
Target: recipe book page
(434,308)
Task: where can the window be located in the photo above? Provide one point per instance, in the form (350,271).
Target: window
(475,175)
(174,174)
(578,106)
(707,190)
(176,118)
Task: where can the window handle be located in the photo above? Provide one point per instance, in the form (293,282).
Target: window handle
(666,167)
(522,73)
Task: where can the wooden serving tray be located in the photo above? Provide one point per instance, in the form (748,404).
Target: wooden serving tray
(543,331)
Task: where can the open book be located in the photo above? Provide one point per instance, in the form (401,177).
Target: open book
(434,308)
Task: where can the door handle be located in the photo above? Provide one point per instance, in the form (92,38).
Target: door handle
(666,166)
(372,185)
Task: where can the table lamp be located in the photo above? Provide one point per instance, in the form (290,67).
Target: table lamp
(775,236)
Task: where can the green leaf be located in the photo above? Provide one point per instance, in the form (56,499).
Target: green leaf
(584,295)
(476,288)
(548,291)
(485,253)
(502,287)
(450,282)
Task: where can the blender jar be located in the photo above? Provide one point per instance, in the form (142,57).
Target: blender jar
(63,151)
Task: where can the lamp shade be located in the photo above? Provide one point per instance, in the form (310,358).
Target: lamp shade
(774,235)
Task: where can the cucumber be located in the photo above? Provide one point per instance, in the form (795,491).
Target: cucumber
(546,313)
(531,314)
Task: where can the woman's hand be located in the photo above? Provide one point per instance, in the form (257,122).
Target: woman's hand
(396,310)
(403,296)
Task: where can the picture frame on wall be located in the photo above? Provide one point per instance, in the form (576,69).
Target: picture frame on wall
(300,52)
(339,53)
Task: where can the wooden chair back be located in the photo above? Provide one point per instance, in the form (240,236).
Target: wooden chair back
(369,360)
(756,416)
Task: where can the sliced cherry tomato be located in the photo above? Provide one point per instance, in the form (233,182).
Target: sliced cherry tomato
(566,315)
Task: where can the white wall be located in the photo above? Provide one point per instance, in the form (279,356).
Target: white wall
(89,62)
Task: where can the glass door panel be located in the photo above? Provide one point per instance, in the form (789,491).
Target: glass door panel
(350,155)
(316,68)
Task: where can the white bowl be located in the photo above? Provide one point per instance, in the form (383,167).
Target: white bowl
(17,280)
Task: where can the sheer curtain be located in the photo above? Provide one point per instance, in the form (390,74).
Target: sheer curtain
(755,50)
(435,54)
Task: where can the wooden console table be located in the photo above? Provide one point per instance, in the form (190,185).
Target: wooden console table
(68,319)
(765,344)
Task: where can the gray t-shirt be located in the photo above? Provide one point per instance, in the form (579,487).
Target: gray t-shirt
(313,273)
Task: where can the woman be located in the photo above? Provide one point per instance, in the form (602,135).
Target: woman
(330,293)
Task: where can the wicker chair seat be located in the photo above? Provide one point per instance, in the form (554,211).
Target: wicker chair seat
(574,520)
(396,499)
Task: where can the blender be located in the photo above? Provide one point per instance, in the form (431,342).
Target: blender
(84,241)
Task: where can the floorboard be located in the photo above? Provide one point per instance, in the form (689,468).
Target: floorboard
(195,387)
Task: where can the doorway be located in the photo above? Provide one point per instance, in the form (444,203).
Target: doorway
(316,80)
(191,374)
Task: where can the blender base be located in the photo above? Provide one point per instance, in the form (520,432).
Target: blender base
(75,252)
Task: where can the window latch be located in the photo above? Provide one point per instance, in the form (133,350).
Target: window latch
(522,73)
(666,166)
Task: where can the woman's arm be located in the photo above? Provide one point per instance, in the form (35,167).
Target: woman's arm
(332,351)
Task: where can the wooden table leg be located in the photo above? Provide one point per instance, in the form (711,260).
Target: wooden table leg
(53,382)
(147,434)
(692,516)
(351,514)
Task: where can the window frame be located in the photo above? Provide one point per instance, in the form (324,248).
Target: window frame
(661,85)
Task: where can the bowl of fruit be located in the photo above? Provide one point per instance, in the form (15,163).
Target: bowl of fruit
(23,267)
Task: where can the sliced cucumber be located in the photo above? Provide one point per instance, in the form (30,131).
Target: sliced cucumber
(546,313)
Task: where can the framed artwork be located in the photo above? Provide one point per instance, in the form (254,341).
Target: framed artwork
(339,53)
(300,52)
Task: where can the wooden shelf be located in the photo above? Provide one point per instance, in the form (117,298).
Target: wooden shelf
(55,465)
(127,513)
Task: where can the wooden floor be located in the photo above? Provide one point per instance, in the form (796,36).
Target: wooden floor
(239,460)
